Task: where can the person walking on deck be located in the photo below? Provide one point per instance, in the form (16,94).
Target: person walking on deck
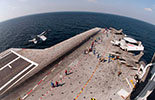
(94,52)
(109,58)
(98,56)
(52,84)
(92,45)
(66,72)
(57,84)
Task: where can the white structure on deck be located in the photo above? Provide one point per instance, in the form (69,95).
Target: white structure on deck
(129,44)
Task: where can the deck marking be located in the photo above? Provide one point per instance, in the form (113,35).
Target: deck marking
(29,92)
(7,65)
(24,97)
(88,81)
(53,69)
(20,78)
(128,82)
(44,77)
(39,83)
(35,87)
(32,66)
(16,77)
(24,58)
(132,83)
(10,66)
(4,55)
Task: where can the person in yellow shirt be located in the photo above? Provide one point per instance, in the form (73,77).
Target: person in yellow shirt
(93,99)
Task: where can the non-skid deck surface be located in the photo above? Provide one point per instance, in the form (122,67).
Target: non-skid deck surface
(88,78)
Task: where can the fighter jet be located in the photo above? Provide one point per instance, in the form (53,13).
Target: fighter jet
(40,37)
(34,40)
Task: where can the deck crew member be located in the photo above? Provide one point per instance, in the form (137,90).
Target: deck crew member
(57,84)
(52,84)
(65,72)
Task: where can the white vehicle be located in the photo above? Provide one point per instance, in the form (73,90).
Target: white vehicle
(129,44)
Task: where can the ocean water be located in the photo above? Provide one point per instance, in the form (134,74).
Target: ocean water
(15,33)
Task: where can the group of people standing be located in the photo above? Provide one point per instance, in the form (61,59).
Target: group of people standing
(56,82)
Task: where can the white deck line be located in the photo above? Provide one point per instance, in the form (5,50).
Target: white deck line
(19,78)
(128,83)
(24,58)
(19,56)
(9,63)
(10,66)
(35,87)
(44,77)
(15,77)
(24,96)
(53,69)
(5,55)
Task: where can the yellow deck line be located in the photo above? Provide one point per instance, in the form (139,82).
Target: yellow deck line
(88,81)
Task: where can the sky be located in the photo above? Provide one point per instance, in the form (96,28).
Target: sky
(139,9)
